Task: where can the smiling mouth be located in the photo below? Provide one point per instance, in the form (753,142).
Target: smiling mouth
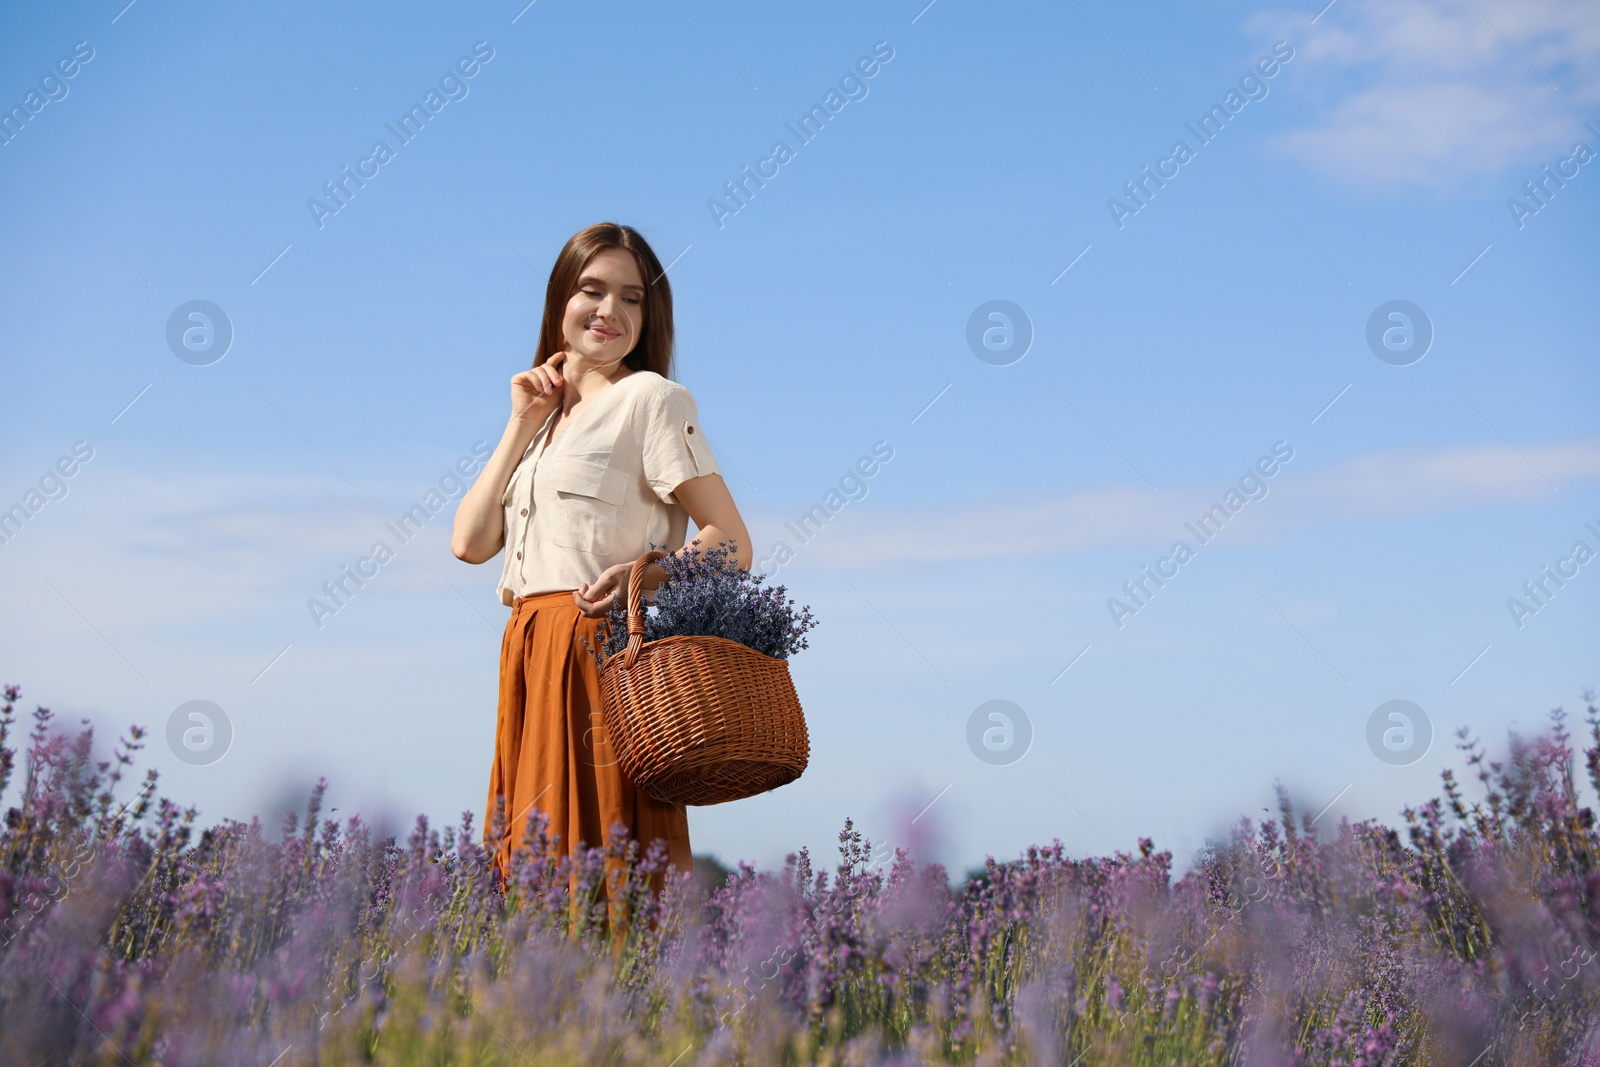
(604,333)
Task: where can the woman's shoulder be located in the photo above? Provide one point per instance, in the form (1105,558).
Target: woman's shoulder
(650,380)
(655,387)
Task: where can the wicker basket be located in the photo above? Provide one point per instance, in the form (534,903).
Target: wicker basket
(700,720)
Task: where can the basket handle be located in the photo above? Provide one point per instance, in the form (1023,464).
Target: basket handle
(635,605)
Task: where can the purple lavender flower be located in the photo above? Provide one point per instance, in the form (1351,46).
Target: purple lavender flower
(705,593)
(129,934)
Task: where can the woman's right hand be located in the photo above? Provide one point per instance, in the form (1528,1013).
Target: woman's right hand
(536,393)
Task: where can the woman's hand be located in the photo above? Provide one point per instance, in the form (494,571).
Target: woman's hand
(479,530)
(596,598)
(536,393)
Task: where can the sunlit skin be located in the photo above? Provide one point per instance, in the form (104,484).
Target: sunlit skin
(599,327)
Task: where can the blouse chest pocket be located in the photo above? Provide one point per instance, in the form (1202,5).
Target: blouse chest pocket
(578,503)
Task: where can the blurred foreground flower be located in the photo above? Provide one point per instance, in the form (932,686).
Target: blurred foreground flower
(127,936)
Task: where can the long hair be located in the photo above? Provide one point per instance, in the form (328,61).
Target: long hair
(653,349)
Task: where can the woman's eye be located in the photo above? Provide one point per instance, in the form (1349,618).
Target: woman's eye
(632,299)
(588,292)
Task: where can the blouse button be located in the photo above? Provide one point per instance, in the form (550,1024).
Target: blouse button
(519,555)
(691,429)
(524,511)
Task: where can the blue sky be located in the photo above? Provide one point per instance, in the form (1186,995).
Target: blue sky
(1172,348)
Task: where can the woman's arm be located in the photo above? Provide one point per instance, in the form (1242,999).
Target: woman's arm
(480,525)
(717,518)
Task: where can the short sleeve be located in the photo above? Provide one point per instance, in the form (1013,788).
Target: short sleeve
(675,448)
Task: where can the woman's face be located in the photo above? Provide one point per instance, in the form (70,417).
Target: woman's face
(604,317)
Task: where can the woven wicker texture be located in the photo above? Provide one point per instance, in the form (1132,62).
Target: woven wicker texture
(700,720)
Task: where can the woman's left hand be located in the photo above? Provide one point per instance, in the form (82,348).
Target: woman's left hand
(596,598)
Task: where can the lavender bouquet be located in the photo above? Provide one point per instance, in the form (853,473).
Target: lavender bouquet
(706,593)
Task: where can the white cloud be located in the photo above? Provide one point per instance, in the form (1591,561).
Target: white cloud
(185,550)
(1425,481)
(188,547)
(1398,484)
(1437,93)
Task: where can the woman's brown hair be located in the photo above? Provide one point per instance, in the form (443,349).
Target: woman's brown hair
(653,350)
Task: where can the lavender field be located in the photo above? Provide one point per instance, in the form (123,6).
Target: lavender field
(132,935)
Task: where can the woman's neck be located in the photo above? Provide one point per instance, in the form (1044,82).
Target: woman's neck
(585,381)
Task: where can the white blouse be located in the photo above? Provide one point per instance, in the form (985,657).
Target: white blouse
(602,492)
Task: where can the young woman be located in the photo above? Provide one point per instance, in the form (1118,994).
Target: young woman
(603,455)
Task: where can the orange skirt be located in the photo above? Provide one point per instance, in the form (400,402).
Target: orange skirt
(551,749)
